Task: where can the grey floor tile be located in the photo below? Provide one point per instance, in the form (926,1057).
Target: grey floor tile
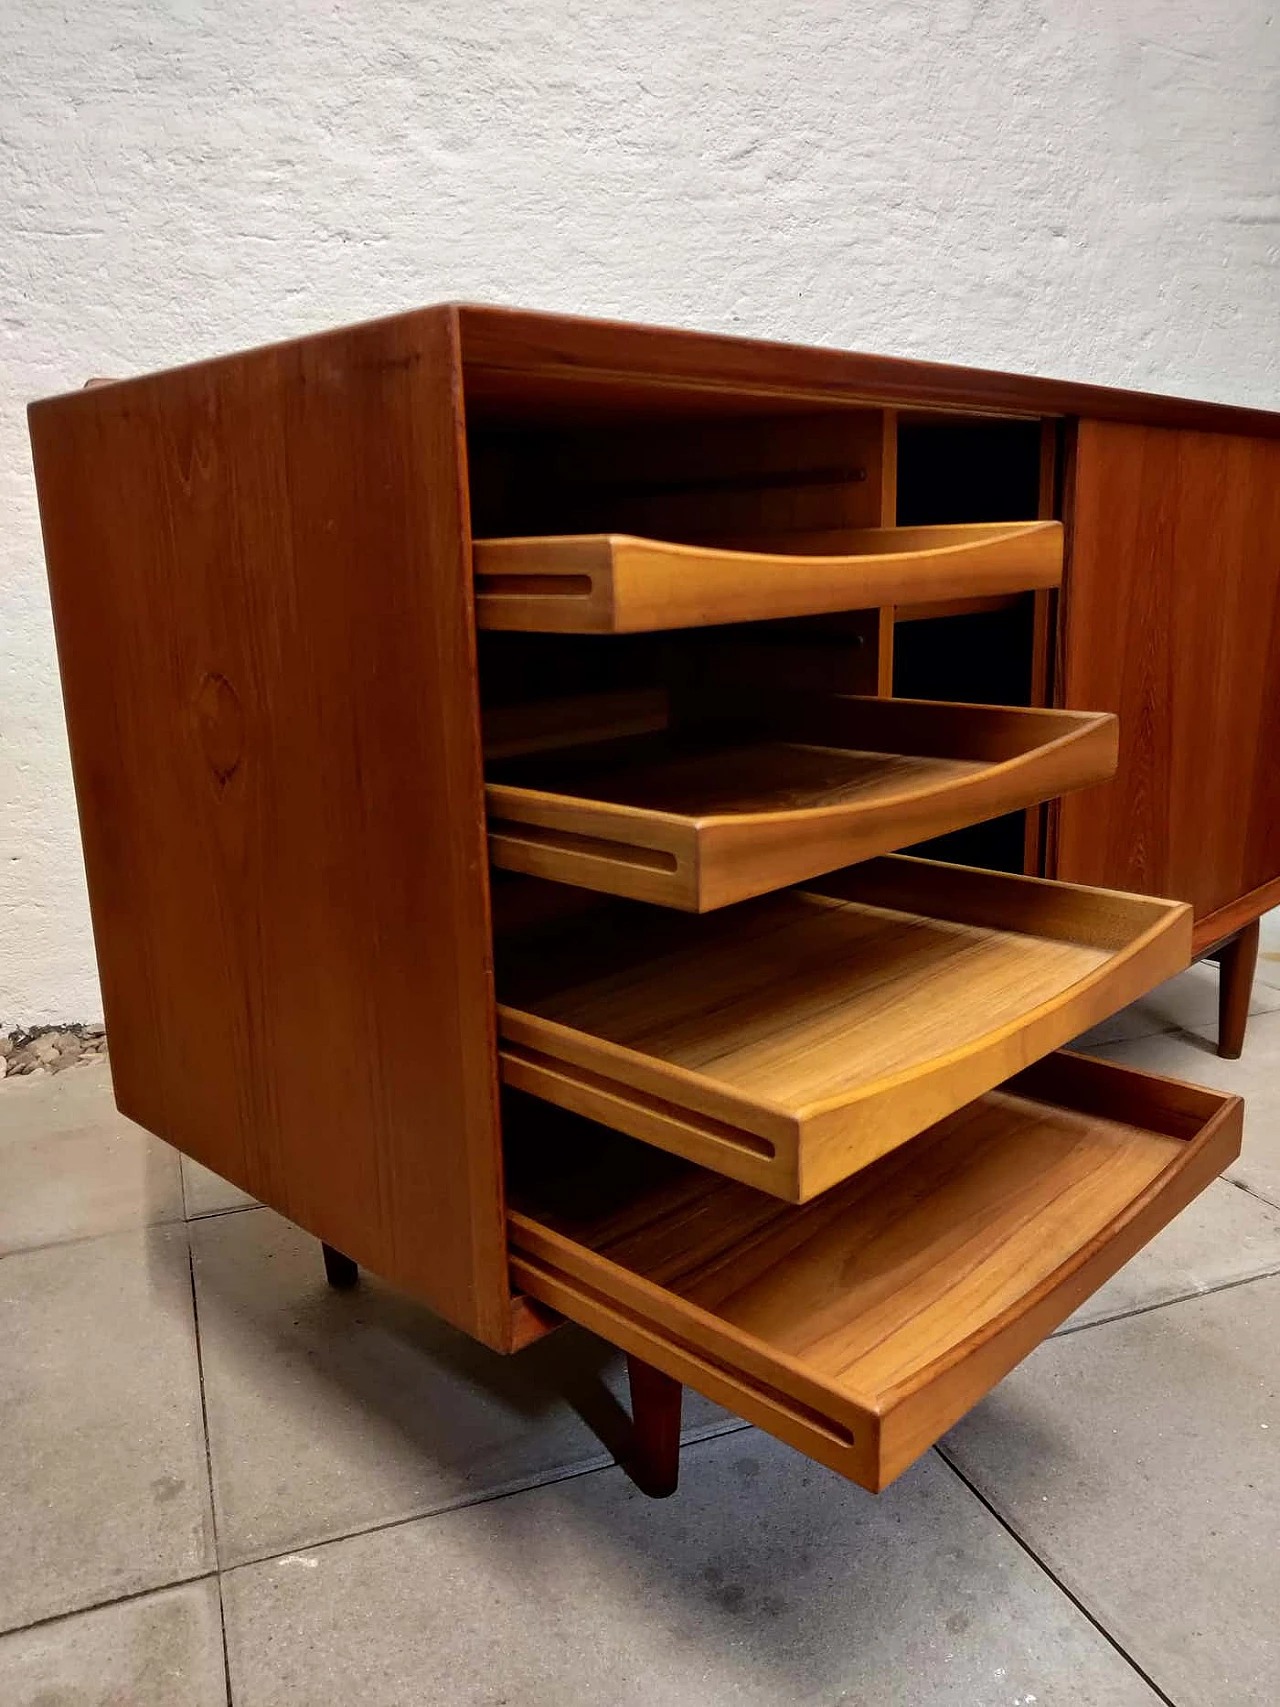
(207,1193)
(766,1582)
(330,1412)
(1255,1077)
(160,1650)
(1269,948)
(102,1458)
(1140,1462)
(71,1165)
(1224,1236)
(79,1096)
(1188,1002)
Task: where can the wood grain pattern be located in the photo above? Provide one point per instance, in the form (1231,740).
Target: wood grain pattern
(697,820)
(1212,927)
(861,1326)
(1173,621)
(616,584)
(796,1039)
(260,572)
(559,366)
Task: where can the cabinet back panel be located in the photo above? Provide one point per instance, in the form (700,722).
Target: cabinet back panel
(971,471)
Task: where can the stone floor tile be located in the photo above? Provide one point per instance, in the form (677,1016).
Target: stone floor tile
(1141,1462)
(766,1582)
(333,1411)
(1222,1237)
(160,1650)
(1188,1002)
(207,1193)
(1255,1077)
(103,1478)
(78,1096)
(71,1165)
(1269,948)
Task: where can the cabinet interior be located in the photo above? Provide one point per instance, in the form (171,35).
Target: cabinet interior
(762,477)
(975,471)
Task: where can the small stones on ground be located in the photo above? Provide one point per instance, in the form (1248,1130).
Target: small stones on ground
(41,1049)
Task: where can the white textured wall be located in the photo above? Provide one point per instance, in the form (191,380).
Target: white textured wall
(1077,189)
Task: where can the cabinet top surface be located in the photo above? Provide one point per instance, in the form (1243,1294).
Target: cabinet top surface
(517,363)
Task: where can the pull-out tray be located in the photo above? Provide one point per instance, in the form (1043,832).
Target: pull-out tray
(860,1327)
(617,584)
(698,819)
(799,1037)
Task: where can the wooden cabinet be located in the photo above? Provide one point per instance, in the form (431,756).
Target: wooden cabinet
(496,740)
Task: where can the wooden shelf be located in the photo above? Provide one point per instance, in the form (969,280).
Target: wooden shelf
(860,1327)
(699,819)
(794,1040)
(618,584)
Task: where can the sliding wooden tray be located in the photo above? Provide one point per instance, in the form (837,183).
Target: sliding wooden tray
(793,1041)
(617,584)
(699,819)
(860,1327)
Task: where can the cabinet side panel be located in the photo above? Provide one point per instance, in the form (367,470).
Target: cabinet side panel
(1173,622)
(260,577)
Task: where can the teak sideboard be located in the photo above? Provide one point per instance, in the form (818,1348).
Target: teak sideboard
(618,824)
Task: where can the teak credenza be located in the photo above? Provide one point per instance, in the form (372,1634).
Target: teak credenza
(615,824)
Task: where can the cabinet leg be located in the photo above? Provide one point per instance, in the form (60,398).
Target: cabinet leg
(1237,961)
(339,1271)
(654,1464)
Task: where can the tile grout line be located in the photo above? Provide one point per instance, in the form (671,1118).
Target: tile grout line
(1249,1191)
(1065,1332)
(1176,1028)
(103,1605)
(231,1209)
(181,1219)
(208,1464)
(716,1431)
(551,1479)
(88,1238)
(1056,1580)
(719,1431)
(594,1467)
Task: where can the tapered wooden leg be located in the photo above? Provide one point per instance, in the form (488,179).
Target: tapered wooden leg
(1237,961)
(654,1466)
(340,1271)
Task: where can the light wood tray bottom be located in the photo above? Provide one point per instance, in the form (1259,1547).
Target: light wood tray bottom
(797,998)
(798,1037)
(873,1282)
(766,776)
